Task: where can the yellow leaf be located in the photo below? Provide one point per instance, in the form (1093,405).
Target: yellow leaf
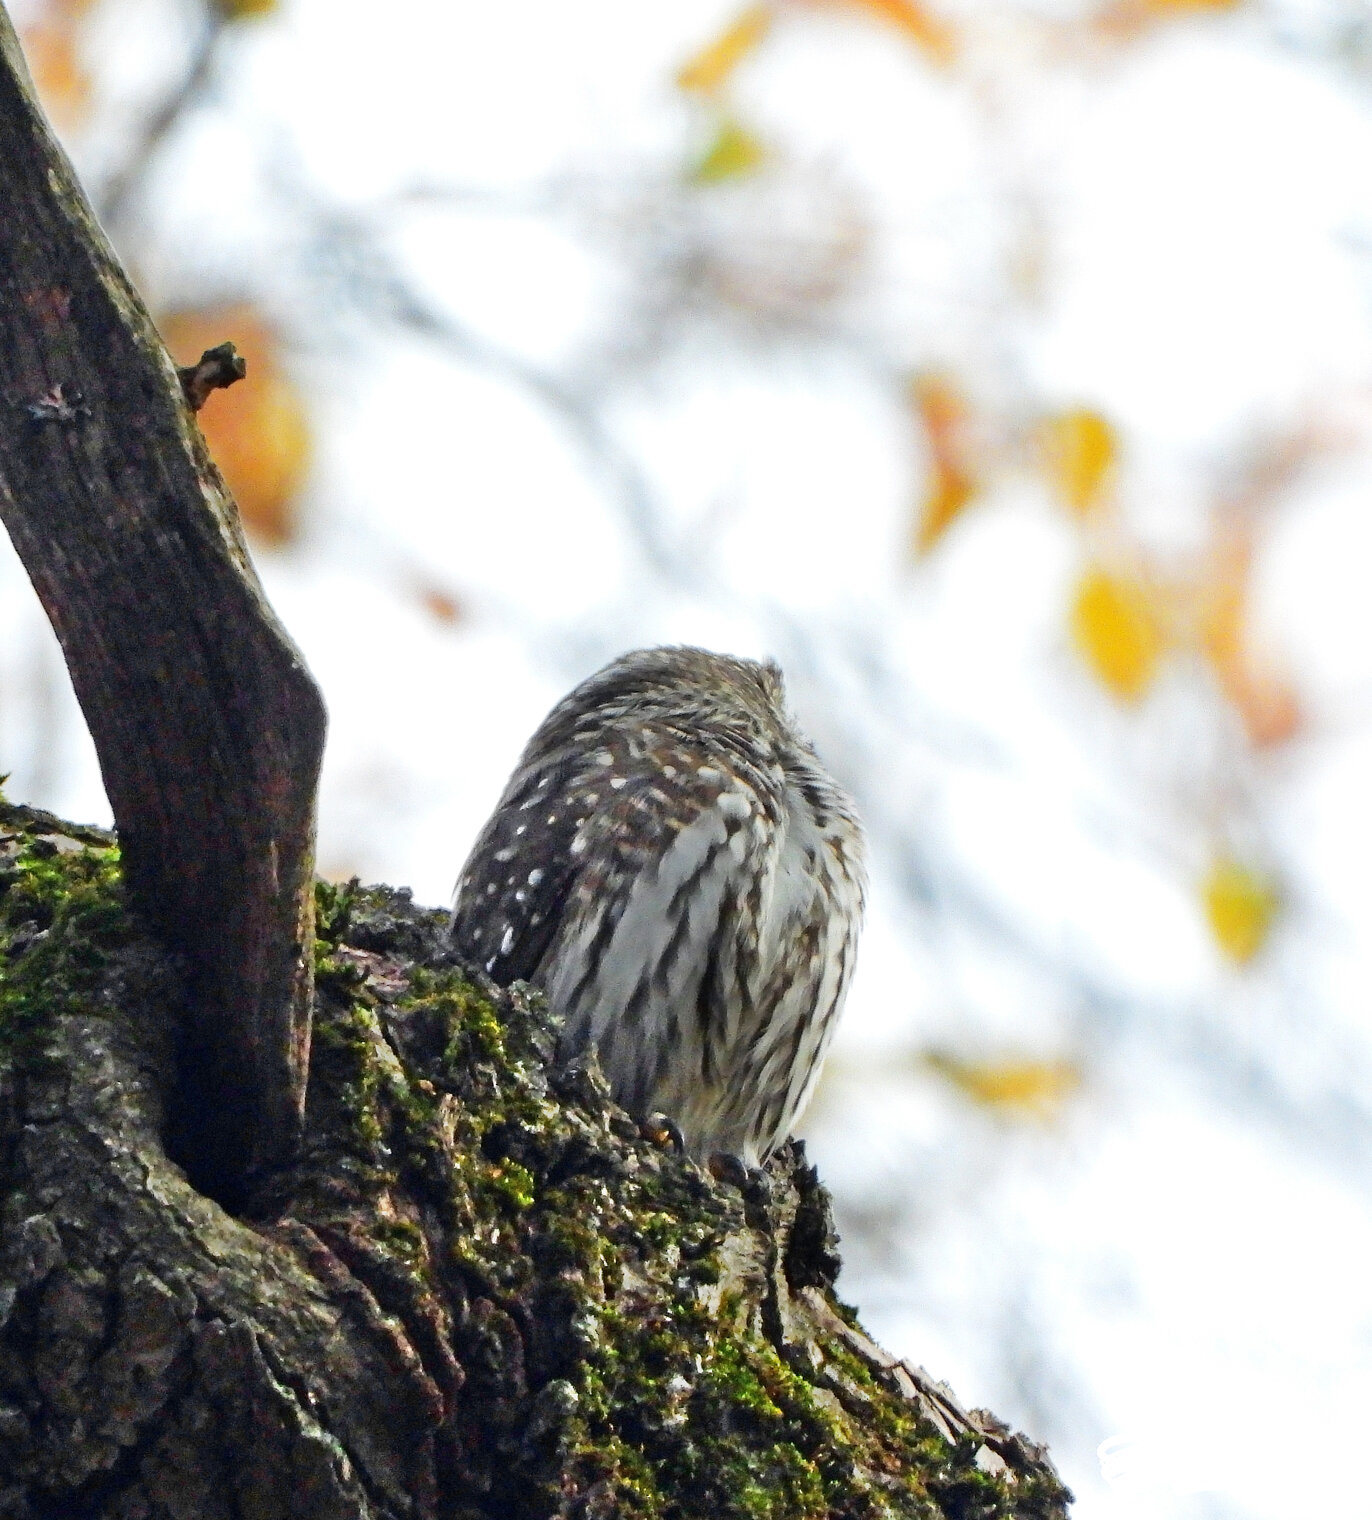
(734,152)
(257,431)
(240,10)
(933,34)
(948,493)
(1079,452)
(945,416)
(1023,1087)
(1117,627)
(715,63)
(1240,905)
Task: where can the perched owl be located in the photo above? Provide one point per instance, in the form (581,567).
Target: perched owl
(672,864)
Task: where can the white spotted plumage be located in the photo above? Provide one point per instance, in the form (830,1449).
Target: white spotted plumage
(691,905)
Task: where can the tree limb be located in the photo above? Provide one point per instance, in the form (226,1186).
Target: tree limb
(208,726)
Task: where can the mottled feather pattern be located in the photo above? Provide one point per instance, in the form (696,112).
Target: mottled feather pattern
(672,864)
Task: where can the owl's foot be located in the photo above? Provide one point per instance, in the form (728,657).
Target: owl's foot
(664,1133)
(724,1166)
(751,1181)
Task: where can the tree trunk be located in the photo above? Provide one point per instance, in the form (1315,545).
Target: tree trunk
(478,1292)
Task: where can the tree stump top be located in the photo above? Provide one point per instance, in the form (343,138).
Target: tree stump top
(478,1292)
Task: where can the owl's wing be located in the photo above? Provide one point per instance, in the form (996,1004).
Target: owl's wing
(652,964)
(513,888)
(651,863)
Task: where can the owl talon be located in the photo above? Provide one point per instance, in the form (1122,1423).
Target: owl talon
(663,1132)
(723,1166)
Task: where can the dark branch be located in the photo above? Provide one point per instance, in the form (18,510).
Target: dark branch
(208,726)
(218,369)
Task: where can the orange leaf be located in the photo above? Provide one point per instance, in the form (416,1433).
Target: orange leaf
(1240,906)
(714,65)
(1265,699)
(945,416)
(930,32)
(441,604)
(1128,18)
(1079,451)
(257,431)
(1269,705)
(1117,626)
(1026,1088)
(62,83)
(734,152)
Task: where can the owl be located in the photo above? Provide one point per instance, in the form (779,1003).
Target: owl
(674,867)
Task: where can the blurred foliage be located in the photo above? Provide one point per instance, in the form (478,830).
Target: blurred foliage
(1240,904)
(1262,694)
(442,605)
(1117,625)
(951,482)
(1025,1088)
(1079,449)
(52,46)
(1167,7)
(713,66)
(734,151)
(922,25)
(710,69)
(239,10)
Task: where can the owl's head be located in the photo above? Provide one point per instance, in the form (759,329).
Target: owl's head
(680,688)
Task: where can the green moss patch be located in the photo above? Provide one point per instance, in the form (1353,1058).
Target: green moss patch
(62,916)
(607,1300)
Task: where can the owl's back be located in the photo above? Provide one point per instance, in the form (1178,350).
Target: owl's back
(672,865)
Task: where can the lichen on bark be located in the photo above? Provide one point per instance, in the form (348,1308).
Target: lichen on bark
(479,1292)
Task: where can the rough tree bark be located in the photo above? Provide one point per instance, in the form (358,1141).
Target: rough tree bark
(208,726)
(472,1290)
(478,1293)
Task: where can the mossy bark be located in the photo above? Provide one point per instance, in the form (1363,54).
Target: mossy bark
(478,1292)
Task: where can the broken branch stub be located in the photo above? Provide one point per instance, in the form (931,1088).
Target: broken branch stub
(208,726)
(217,369)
